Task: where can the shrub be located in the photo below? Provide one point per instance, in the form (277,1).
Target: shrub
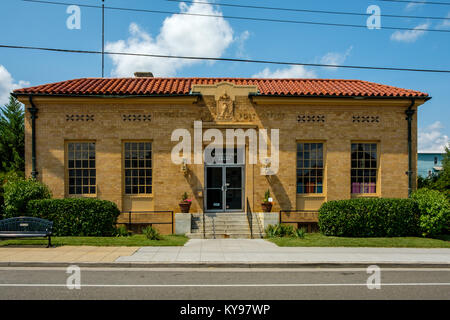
(282,230)
(434,211)
(151,233)
(4,178)
(122,231)
(369,218)
(18,193)
(77,216)
(300,233)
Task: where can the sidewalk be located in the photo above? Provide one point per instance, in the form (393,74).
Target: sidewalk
(69,254)
(221,252)
(261,251)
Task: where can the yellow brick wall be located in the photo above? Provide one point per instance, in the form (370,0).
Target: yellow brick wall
(109,131)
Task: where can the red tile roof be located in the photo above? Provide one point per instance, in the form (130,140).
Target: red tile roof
(182,86)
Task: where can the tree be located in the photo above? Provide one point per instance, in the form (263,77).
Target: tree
(441,180)
(12,136)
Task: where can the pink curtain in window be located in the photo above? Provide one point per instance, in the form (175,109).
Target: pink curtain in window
(358,187)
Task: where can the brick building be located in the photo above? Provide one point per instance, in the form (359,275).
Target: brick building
(111,139)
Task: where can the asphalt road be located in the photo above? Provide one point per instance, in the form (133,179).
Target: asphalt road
(214,283)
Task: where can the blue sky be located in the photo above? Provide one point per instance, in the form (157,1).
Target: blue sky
(44,25)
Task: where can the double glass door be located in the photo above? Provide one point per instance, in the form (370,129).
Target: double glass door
(224,188)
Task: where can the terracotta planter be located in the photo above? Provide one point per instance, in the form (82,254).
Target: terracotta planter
(266,206)
(185,206)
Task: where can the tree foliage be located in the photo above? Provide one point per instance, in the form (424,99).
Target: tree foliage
(12,137)
(441,180)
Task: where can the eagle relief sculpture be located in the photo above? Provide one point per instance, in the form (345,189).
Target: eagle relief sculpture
(224,108)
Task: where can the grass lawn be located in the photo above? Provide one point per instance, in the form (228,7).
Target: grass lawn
(319,240)
(133,241)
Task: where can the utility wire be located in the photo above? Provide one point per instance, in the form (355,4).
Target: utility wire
(239,17)
(222,4)
(419,2)
(225,59)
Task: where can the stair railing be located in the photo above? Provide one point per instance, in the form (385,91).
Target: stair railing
(250,218)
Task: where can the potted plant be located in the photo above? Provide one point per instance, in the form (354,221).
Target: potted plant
(185,203)
(267,203)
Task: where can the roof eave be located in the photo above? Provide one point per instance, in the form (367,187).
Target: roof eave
(356,97)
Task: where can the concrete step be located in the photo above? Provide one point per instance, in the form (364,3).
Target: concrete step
(224,225)
(221,219)
(223,236)
(221,223)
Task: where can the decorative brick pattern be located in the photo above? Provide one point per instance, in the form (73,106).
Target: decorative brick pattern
(302,118)
(80,117)
(137,117)
(366,119)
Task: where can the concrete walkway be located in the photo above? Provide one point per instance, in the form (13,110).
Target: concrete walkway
(261,251)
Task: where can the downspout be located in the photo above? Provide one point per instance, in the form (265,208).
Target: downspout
(409,116)
(33,112)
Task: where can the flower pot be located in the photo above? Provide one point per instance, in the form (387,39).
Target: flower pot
(266,206)
(185,206)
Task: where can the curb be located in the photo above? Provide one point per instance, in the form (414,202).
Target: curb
(225,265)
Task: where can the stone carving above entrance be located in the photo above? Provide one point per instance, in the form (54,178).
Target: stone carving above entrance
(220,100)
(225,108)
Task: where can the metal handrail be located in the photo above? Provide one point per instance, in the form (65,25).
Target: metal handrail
(156,211)
(250,219)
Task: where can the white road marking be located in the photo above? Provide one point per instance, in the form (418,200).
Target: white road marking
(224,285)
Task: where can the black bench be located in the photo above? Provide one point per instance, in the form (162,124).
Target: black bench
(26,227)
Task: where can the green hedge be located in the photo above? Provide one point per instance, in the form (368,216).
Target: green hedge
(434,211)
(77,217)
(369,218)
(18,192)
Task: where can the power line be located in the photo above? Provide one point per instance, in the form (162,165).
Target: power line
(311,11)
(240,17)
(225,59)
(419,2)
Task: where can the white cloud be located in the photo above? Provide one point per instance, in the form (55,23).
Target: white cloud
(446,23)
(240,41)
(410,6)
(7,85)
(431,139)
(179,35)
(410,35)
(289,72)
(336,58)
(331,58)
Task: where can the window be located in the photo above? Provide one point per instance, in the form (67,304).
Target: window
(435,160)
(81,167)
(364,168)
(138,167)
(309,167)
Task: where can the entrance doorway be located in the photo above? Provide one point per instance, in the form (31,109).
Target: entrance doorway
(224,185)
